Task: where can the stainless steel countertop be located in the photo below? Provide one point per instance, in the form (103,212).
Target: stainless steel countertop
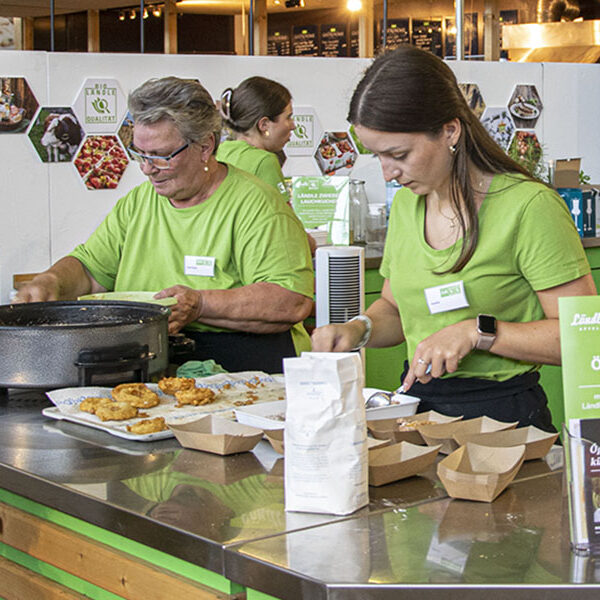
(227,514)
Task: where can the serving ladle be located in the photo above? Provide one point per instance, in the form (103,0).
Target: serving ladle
(381,398)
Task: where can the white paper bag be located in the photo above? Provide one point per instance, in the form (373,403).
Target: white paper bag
(326,465)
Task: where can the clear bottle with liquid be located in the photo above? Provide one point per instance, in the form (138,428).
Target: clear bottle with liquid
(359,211)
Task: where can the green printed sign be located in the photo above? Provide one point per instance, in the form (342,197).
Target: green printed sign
(100,104)
(450,290)
(580,350)
(307,133)
(324,203)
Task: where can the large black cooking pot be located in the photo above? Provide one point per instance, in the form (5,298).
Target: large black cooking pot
(61,344)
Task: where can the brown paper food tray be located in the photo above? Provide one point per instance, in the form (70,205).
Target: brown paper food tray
(536,441)
(445,432)
(399,461)
(275,437)
(216,435)
(389,428)
(481,473)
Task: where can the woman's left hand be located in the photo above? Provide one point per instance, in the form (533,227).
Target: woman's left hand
(187,309)
(442,350)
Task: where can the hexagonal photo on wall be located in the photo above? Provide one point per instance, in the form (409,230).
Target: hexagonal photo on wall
(525,106)
(18,104)
(527,150)
(125,132)
(336,153)
(101,162)
(473,97)
(306,136)
(357,143)
(55,134)
(499,124)
(100,105)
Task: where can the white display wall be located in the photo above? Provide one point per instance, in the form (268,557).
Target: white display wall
(46,209)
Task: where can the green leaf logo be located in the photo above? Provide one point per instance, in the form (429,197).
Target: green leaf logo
(100,106)
(300,132)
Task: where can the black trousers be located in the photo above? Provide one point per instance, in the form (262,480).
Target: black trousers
(241,351)
(520,398)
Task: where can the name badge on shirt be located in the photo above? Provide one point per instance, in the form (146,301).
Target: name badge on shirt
(203,266)
(443,298)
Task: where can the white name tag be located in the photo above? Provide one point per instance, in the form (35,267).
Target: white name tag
(449,296)
(204,266)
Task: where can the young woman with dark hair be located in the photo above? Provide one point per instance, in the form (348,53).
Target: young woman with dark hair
(477,252)
(258,114)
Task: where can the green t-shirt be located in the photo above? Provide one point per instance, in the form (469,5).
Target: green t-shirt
(145,243)
(262,163)
(255,503)
(527,242)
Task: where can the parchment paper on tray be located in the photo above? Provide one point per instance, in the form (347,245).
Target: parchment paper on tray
(232,389)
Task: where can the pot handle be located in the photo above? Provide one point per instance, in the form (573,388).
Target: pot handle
(113,359)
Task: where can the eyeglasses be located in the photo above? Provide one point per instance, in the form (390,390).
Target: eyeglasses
(160,162)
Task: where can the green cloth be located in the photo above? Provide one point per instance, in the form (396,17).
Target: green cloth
(199,368)
(262,163)
(142,243)
(527,242)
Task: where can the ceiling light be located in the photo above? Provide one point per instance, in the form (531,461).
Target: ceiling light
(145,13)
(121,16)
(156,11)
(354,5)
(132,14)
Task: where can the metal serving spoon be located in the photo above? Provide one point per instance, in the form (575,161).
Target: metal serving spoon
(379,399)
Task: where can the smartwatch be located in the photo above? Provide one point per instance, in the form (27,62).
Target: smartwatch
(486,330)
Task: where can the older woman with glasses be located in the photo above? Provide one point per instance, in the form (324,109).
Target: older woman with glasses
(221,243)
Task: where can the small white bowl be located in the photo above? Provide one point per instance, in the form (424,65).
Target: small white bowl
(405,407)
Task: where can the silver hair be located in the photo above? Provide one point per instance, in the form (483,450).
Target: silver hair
(185,102)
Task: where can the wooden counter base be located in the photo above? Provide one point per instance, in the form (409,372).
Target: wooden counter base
(91,561)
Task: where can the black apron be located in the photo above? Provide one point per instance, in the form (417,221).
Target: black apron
(241,351)
(520,398)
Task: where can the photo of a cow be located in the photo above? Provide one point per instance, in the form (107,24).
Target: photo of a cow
(56,134)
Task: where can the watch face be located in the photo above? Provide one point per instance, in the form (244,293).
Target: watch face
(486,324)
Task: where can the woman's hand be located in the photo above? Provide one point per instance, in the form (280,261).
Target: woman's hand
(187,309)
(443,351)
(341,337)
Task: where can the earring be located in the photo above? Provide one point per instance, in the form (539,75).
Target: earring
(205,168)
(452,149)
(267,134)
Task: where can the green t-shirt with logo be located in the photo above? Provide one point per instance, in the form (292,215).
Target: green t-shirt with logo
(262,163)
(527,242)
(144,243)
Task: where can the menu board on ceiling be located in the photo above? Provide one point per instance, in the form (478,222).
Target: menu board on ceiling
(397,33)
(305,40)
(427,34)
(334,41)
(471,39)
(278,43)
(354,42)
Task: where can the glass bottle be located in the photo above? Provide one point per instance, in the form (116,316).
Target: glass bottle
(359,210)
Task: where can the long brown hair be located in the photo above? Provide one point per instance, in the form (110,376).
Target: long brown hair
(409,90)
